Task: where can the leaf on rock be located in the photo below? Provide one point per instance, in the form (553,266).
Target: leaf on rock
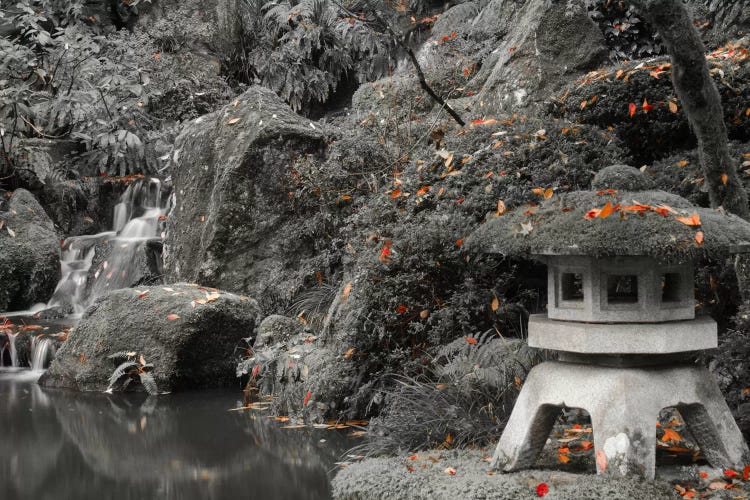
(172,317)
(693,220)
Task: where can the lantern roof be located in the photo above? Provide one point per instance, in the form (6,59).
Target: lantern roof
(622,216)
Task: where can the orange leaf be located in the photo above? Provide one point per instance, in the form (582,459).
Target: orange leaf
(413,457)
(495,303)
(402,309)
(673,106)
(349,353)
(586,445)
(500,208)
(730,473)
(395,194)
(346,197)
(141,295)
(646,106)
(385,252)
(670,435)
(693,220)
(82,358)
(563,459)
(606,211)
(172,317)
(746,473)
(601,460)
(490,121)
(451,471)
(724,179)
(448,439)
(459,242)
(256,369)
(548,193)
(423,190)
(424,314)
(470,340)
(699,240)
(307,398)
(682,163)
(633,108)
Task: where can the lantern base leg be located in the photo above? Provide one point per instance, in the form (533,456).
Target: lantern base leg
(624,404)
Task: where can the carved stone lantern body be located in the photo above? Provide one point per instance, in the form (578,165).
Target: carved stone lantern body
(621,315)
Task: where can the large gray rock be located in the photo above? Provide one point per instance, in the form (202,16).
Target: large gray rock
(29,253)
(546,44)
(238,222)
(190,334)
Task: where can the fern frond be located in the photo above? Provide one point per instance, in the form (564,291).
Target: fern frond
(148,383)
(123,370)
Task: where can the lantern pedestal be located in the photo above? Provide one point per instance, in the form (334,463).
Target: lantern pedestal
(624,404)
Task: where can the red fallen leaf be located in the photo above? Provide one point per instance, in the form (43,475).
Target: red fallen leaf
(172,317)
(730,473)
(141,295)
(606,191)
(511,49)
(256,369)
(606,211)
(699,240)
(592,214)
(633,108)
(724,179)
(459,242)
(410,468)
(563,459)
(542,489)
(460,200)
(693,220)
(746,473)
(704,475)
(450,470)
(646,106)
(423,190)
(385,252)
(586,445)
(307,398)
(395,194)
(564,449)
(413,457)
(567,209)
(402,309)
(163,217)
(471,340)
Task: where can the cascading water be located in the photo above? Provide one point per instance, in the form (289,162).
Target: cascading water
(42,350)
(95,264)
(12,349)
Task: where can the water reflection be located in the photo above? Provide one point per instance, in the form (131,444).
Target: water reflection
(60,444)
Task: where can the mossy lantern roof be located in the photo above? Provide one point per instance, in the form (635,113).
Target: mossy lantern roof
(622,215)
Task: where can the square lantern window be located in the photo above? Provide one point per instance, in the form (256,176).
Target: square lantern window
(670,288)
(572,287)
(622,289)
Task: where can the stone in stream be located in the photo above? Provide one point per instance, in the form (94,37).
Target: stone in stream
(193,337)
(29,248)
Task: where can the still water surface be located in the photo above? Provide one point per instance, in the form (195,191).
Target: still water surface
(57,444)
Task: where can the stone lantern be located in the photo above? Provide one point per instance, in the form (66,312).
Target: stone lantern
(621,315)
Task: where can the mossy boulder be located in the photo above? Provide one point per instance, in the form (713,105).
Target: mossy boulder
(192,335)
(29,253)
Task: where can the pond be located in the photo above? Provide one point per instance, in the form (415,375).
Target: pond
(69,445)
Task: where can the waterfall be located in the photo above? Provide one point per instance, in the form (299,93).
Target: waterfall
(42,349)
(95,264)
(12,349)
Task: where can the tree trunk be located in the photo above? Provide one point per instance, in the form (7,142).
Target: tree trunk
(700,99)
